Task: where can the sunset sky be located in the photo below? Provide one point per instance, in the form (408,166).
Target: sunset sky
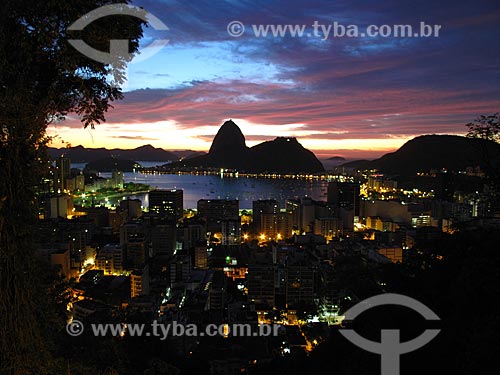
(354,97)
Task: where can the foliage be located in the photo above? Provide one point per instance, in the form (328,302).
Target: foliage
(485,127)
(42,79)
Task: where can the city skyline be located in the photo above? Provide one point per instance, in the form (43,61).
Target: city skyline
(354,97)
(353,164)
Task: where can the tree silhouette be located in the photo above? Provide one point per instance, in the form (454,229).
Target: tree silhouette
(42,78)
(485,127)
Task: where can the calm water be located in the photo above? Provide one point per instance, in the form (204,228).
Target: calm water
(244,189)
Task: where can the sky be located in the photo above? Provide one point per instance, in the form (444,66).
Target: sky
(356,97)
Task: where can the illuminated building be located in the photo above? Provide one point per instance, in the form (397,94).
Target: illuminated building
(116,180)
(278,226)
(395,254)
(62,173)
(293,208)
(60,206)
(231,232)
(200,257)
(110,259)
(166,203)
(139,282)
(329,227)
(260,207)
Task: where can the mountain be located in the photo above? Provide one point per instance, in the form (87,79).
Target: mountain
(281,155)
(186,154)
(336,158)
(145,153)
(80,154)
(228,149)
(228,138)
(421,154)
(110,164)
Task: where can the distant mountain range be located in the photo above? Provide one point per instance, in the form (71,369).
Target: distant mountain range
(286,154)
(336,158)
(80,154)
(427,152)
(281,155)
(110,164)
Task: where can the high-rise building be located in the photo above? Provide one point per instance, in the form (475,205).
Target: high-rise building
(59,206)
(180,269)
(166,203)
(231,232)
(80,183)
(217,291)
(110,259)
(293,207)
(61,258)
(117,180)
(214,211)
(139,282)
(261,279)
(299,283)
(62,173)
(133,243)
(191,232)
(163,239)
(132,208)
(308,214)
(277,226)
(344,195)
(200,257)
(328,227)
(267,206)
(136,253)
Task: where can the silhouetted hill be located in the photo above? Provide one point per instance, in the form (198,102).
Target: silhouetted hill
(187,154)
(228,149)
(427,152)
(281,155)
(336,158)
(229,137)
(80,154)
(110,164)
(145,153)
